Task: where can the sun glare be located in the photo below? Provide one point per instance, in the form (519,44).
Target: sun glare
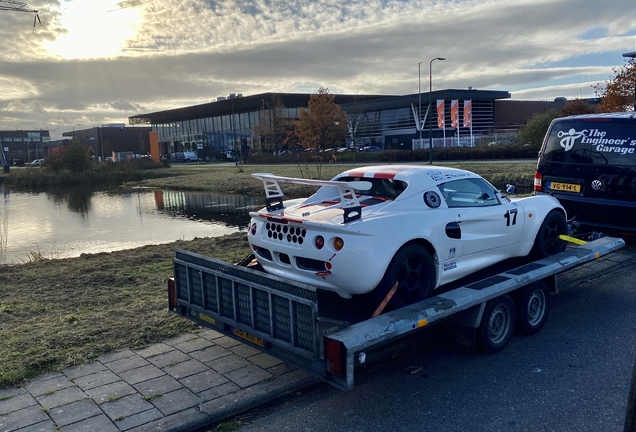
(94,29)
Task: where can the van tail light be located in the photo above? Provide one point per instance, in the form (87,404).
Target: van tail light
(172,295)
(335,357)
(538,182)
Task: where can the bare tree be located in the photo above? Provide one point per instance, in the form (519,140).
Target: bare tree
(274,126)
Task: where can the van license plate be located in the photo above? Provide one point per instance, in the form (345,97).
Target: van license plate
(248,337)
(565,187)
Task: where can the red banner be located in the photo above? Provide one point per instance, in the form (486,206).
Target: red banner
(468,113)
(455,114)
(440,113)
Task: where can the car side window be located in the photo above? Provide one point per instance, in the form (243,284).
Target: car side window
(470,192)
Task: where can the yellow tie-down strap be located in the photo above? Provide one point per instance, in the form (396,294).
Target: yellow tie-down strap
(572,239)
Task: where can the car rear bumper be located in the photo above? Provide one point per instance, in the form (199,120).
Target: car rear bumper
(599,212)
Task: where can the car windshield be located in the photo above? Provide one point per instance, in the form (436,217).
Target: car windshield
(383,188)
(592,142)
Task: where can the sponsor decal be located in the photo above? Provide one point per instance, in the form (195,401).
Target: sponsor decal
(436,175)
(450,265)
(598,140)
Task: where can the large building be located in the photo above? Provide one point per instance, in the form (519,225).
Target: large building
(107,139)
(385,121)
(23,146)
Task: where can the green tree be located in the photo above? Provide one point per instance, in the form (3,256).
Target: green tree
(324,124)
(618,93)
(534,130)
(74,158)
(274,125)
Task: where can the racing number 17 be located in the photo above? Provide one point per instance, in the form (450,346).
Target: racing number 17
(511,217)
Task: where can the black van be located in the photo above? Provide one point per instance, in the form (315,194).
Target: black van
(588,162)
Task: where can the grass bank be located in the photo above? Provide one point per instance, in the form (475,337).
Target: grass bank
(238,180)
(59,313)
(45,176)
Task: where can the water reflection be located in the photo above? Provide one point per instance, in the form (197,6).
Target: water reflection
(67,222)
(230,209)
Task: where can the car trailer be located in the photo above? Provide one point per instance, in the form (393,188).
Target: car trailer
(284,318)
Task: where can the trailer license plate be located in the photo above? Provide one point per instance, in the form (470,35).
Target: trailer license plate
(248,337)
(566,187)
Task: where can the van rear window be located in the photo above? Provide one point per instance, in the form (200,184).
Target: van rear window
(592,142)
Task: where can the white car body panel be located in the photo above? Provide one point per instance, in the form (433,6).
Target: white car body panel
(283,236)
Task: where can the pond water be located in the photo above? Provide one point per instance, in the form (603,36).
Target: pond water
(71,221)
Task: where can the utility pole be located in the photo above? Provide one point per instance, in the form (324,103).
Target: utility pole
(14,6)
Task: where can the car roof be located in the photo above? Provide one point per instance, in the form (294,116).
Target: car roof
(422,175)
(614,115)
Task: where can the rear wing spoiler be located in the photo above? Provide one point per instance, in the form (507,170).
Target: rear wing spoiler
(351,207)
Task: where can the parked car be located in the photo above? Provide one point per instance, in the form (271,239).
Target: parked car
(588,162)
(36,162)
(190,157)
(420,227)
(371,149)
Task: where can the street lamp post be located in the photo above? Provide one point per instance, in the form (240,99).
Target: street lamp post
(73,138)
(419,97)
(430,105)
(632,55)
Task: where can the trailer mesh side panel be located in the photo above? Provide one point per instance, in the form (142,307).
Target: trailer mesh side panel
(181,278)
(210,292)
(282,328)
(304,337)
(261,311)
(196,291)
(243,312)
(270,308)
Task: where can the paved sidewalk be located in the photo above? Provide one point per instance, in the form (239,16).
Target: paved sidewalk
(180,384)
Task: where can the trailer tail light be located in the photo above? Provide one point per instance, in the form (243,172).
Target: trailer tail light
(172,295)
(538,182)
(335,357)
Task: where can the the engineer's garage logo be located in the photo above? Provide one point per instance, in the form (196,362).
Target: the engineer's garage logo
(597,139)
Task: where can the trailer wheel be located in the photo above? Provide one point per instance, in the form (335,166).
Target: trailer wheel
(547,242)
(497,324)
(414,270)
(533,305)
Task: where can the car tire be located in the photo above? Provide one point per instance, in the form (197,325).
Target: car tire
(532,304)
(547,241)
(497,324)
(413,268)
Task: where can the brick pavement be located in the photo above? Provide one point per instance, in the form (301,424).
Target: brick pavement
(179,384)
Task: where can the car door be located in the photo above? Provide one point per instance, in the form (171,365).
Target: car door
(490,225)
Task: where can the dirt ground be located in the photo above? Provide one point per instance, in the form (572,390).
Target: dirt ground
(60,313)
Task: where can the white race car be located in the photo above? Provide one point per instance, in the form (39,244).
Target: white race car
(419,226)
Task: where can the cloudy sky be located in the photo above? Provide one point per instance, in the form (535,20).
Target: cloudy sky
(100,61)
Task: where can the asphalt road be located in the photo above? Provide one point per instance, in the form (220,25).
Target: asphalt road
(572,376)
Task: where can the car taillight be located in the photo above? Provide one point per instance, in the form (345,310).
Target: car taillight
(538,181)
(334,357)
(319,242)
(253,228)
(338,243)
